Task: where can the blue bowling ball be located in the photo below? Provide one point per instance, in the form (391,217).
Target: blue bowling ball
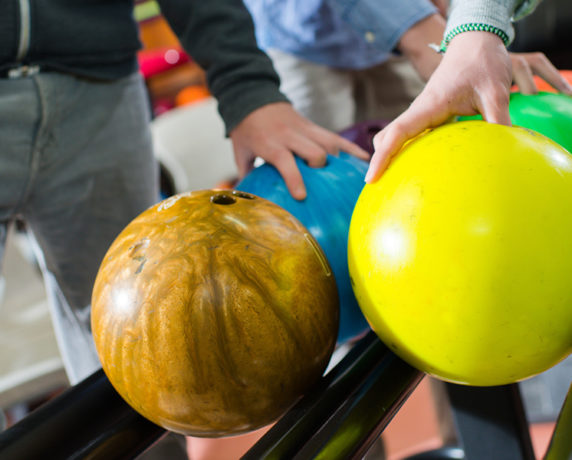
(332,192)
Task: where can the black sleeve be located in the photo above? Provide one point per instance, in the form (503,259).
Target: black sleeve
(219,35)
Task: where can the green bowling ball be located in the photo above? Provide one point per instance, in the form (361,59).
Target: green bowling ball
(547,113)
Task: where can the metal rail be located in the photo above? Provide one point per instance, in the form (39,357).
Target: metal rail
(347,411)
(339,418)
(89,420)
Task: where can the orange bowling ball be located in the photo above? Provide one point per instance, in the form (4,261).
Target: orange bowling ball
(213,312)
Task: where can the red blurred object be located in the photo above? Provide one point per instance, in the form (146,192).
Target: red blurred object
(155,61)
(544,86)
(161,106)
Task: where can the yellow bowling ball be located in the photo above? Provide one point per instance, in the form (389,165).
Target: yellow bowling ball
(461,254)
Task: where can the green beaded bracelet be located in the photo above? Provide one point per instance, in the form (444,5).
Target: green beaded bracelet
(473,27)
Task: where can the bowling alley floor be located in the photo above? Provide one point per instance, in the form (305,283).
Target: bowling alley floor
(422,425)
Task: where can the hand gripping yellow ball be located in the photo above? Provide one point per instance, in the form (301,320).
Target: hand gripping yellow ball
(461,254)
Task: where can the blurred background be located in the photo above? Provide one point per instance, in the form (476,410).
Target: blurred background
(194,154)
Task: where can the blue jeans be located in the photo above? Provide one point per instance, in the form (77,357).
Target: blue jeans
(76,165)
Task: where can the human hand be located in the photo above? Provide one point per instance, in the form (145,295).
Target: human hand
(275,132)
(526,65)
(473,77)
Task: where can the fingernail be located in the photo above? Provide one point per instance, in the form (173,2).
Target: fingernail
(300,193)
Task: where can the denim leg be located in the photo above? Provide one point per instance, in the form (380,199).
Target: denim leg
(19,121)
(94,173)
(3,233)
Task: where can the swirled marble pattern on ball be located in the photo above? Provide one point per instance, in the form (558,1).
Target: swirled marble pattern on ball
(213,311)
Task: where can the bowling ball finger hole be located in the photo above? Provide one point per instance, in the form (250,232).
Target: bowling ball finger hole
(223,199)
(247,196)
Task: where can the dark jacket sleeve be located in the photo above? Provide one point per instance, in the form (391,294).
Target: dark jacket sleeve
(219,35)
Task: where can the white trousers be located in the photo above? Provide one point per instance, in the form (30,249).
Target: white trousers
(337,99)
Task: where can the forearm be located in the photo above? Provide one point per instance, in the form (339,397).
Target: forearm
(219,35)
(416,44)
(383,23)
(494,16)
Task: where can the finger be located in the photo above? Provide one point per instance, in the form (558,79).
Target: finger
(408,125)
(333,143)
(385,149)
(286,165)
(351,148)
(244,161)
(493,105)
(523,76)
(378,159)
(306,148)
(559,83)
(542,67)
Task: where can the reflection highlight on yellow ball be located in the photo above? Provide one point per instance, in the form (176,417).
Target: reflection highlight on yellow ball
(461,254)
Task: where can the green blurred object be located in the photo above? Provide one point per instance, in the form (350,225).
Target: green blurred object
(146,10)
(561,444)
(547,113)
